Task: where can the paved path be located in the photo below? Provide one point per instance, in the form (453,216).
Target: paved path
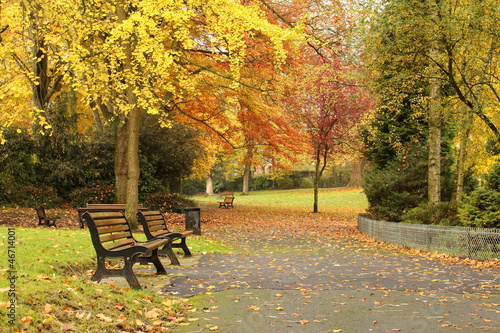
(283,285)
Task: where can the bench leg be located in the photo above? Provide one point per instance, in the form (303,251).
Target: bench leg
(160,270)
(126,272)
(129,274)
(100,271)
(183,246)
(167,250)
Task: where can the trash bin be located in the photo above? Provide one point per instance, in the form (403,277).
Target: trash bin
(193,221)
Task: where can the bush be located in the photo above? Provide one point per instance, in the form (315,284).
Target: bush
(168,202)
(396,188)
(285,183)
(482,207)
(259,183)
(443,213)
(193,186)
(97,193)
(306,183)
(31,196)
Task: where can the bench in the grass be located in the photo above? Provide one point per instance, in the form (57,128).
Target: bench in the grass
(43,219)
(112,238)
(94,208)
(228,202)
(155,226)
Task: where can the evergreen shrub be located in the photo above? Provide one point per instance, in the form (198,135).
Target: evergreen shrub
(396,188)
(482,207)
(443,213)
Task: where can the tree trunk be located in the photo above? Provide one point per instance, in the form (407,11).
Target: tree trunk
(357,173)
(434,161)
(434,168)
(209,185)
(316,182)
(132,126)
(246,178)
(133,171)
(248,168)
(318,172)
(462,153)
(121,166)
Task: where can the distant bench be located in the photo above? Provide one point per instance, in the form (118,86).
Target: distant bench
(96,208)
(228,202)
(43,219)
(112,238)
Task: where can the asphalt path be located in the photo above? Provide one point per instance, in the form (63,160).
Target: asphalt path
(293,284)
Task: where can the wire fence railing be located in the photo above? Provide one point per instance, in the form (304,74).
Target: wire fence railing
(464,242)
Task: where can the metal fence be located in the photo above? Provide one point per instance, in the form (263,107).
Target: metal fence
(465,242)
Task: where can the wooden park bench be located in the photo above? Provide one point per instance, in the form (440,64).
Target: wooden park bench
(95,208)
(228,202)
(155,226)
(43,219)
(112,238)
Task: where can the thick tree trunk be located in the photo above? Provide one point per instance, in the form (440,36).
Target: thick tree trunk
(434,168)
(209,185)
(435,124)
(132,126)
(357,173)
(133,171)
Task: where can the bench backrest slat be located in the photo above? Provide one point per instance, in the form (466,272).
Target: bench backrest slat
(109,230)
(110,222)
(112,236)
(153,223)
(157,227)
(117,244)
(159,233)
(112,206)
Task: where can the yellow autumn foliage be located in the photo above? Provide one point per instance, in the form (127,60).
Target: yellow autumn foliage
(174,46)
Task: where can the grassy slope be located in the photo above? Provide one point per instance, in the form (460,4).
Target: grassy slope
(53,268)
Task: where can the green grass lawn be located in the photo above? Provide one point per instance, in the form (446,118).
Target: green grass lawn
(53,291)
(330,200)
